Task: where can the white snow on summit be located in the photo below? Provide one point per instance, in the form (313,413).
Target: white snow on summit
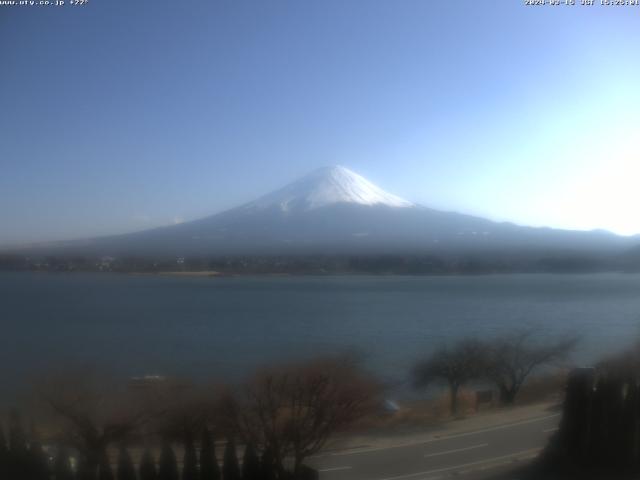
(328,186)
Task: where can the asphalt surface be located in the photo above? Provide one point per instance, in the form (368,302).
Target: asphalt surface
(468,455)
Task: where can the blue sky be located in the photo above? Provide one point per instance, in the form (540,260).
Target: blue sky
(122,115)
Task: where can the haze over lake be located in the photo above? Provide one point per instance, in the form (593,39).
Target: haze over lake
(226,327)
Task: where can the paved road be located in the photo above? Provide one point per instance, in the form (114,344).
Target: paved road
(463,455)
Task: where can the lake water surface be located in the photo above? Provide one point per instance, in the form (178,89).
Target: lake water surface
(225,327)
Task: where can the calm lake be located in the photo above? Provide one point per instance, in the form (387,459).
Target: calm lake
(225,327)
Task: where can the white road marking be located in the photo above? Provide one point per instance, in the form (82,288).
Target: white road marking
(550,430)
(438,439)
(462,465)
(334,469)
(446,452)
(499,427)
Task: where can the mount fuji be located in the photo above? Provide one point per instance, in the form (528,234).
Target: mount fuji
(336,211)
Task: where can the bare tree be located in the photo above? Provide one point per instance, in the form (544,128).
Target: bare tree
(185,406)
(293,411)
(511,359)
(454,366)
(94,413)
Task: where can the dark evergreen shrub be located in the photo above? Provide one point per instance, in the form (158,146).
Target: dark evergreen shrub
(4,454)
(38,464)
(126,470)
(307,473)
(230,466)
(168,465)
(86,470)
(190,461)
(105,472)
(148,469)
(17,455)
(62,465)
(209,469)
(250,464)
(267,465)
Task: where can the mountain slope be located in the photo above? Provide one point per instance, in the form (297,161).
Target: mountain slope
(334,211)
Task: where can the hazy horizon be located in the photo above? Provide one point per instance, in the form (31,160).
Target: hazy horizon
(126,117)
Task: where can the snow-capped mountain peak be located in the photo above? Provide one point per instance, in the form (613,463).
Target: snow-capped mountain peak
(328,186)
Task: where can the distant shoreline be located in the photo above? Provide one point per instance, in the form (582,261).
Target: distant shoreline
(211,274)
(217,274)
(477,263)
(204,273)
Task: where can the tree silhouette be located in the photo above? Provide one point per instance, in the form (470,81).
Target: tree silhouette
(512,358)
(95,413)
(454,366)
(209,469)
(294,409)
